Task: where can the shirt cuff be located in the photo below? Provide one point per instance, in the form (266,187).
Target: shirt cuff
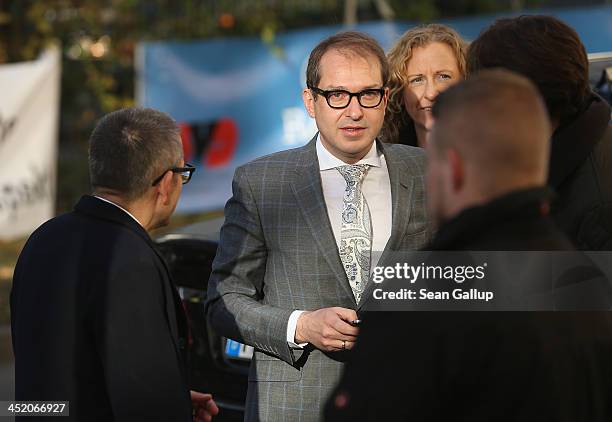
(291,327)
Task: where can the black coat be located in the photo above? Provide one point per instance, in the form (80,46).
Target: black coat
(482,366)
(581,174)
(518,221)
(97,321)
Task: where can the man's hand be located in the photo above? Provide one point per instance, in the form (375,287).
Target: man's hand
(327,329)
(204,407)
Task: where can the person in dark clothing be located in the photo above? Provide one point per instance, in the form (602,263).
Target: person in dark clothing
(550,53)
(486,191)
(95,318)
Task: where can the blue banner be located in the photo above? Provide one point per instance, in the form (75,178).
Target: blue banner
(240,98)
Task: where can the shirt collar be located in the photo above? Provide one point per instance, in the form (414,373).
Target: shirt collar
(120,207)
(328,161)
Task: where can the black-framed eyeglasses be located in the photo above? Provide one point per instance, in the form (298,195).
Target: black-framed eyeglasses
(339,98)
(185,172)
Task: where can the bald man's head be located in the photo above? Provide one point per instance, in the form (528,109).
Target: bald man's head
(493,132)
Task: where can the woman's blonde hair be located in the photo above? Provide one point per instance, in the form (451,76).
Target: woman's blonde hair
(396,117)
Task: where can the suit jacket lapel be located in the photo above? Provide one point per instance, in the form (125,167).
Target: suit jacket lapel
(401,191)
(310,200)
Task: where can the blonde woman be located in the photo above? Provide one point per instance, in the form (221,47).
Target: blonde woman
(425,61)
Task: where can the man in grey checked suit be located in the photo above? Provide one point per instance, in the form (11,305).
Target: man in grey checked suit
(302,230)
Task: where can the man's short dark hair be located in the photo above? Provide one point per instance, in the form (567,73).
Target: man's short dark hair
(349,41)
(130,147)
(543,48)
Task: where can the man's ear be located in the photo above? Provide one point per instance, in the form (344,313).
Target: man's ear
(457,169)
(308,102)
(164,187)
(385,98)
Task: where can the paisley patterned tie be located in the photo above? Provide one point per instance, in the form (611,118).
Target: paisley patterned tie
(356,231)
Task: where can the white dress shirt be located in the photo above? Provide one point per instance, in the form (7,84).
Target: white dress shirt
(120,207)
(376,188)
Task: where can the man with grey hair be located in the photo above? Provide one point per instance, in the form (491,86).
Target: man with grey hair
(486,192)
(95,318)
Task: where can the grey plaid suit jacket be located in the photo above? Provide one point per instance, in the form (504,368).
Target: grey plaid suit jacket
(277,253)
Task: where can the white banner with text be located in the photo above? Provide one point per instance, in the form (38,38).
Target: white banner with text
(29,116)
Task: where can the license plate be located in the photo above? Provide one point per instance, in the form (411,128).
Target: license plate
(235,350)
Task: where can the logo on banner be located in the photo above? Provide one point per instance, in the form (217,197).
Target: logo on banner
(213,144)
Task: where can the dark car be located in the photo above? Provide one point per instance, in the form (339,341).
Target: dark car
(218,365)
(600,74)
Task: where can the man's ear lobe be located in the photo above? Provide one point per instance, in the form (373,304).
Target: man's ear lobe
(308,102)
(457,168)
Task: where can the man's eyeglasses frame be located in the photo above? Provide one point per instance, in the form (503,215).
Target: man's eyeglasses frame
(327,94)
(185,172)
